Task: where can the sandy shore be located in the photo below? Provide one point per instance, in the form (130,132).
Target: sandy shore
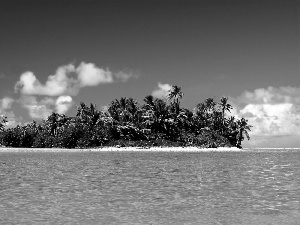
(125,149)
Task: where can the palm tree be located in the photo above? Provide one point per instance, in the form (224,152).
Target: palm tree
(126,115)
(3,121)
(52,120)
(185,120)
(210,105)
(174,95)
(125,110)
(206,113)
(149,102)
(156,114)
(134,111)
(93,115)
(243,128)
(148,114)
(88,115)
(225,107)
(30,132)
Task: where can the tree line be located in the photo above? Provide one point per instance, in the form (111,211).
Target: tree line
(156,122)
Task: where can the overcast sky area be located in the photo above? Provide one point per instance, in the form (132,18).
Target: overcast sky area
(56,54)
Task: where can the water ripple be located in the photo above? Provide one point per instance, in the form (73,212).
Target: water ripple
(150,188)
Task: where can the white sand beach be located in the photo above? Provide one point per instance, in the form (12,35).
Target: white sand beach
(124,149)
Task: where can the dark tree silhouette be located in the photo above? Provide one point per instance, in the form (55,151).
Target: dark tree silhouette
(127,123)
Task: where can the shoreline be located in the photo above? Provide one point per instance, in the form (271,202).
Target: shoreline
(125,149)
(151,149)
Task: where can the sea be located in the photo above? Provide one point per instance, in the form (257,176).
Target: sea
(247,187)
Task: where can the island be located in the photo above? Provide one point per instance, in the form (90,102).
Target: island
(125,123)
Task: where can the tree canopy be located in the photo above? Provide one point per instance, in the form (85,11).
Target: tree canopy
(126,122)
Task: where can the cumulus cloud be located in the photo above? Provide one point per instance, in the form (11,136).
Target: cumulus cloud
(56,84)
(271,95)
(11,118)
(59,87)
(272,120)
(63,104)
(37,109)
(90,75)
(41,109)
(162,90)
(5,103)
(68,80)
(5,110)
(273,112)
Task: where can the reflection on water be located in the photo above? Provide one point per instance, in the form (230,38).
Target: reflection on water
(150,188)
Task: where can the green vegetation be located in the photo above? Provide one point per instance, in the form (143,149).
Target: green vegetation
(127,123)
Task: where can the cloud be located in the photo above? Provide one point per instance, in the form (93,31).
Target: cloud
(37,109)
(124,77)
(11,118)
(56,84)
(41,109)
(273,113)
(5,110)
(58,88)
(90,75)
(162,90)
(271,95)
(63,104)
(5,103)
(68,80)
(272,120)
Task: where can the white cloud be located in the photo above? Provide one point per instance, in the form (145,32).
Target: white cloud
(272,120)
(11,118)
(274,113)
(68,80)
(41,109)
(37,110)
(12,122)
(6,103)
(58,88)
(56,84)
(271,95)
(5,110)
(63,104)
(90,75)
(124,77)
(162,90)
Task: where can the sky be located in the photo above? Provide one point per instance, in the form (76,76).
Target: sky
(56,54)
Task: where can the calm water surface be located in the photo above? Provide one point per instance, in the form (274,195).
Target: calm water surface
(150,188)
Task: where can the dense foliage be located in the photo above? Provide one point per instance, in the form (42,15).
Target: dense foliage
(127,123)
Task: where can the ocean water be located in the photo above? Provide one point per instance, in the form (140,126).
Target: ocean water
(255,187)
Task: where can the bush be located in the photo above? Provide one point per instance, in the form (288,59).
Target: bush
(212,139)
